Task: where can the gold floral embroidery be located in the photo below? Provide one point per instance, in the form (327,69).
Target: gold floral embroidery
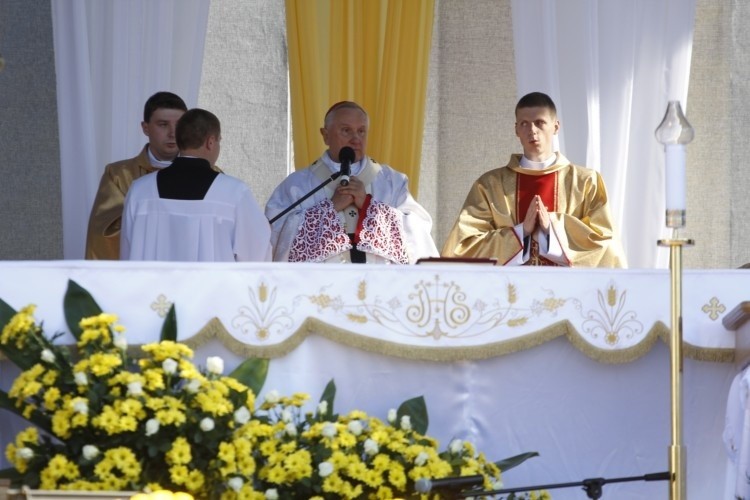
(611,321)
(262,316)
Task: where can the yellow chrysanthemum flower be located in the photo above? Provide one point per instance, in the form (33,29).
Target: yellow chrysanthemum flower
(51,398)
(180,452)
(101,364)
(30,435)
(195,480)
(19,327)
(61,423)
(167,349)
(276,474)
(178,474)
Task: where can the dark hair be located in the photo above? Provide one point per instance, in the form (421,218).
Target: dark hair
(194,127)
(341,105)
(165,100)
(537,100)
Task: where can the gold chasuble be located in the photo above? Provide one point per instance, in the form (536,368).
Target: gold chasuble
(576,200)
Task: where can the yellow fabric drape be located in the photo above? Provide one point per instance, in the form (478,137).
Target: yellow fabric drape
(374,52)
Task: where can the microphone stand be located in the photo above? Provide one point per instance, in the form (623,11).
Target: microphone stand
(333,177)
(593,487)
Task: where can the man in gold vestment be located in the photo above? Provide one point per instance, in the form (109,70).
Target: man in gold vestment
(539,209)
(160,115)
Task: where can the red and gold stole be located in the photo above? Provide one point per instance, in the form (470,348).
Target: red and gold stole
(529,185)
(526,187)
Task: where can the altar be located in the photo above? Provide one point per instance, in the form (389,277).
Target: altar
(570,363)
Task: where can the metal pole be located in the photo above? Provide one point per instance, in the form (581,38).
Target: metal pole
(677,451)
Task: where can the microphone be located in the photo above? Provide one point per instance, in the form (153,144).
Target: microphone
(346,157)
(426,485)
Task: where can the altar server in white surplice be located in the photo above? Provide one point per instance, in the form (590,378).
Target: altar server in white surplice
(373,219)
(189,211)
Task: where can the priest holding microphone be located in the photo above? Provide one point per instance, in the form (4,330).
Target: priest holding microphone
(366,216)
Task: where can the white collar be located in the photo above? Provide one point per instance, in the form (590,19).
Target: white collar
(538,165)
(155,162)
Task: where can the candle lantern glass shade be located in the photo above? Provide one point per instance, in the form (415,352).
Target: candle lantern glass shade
(675,132)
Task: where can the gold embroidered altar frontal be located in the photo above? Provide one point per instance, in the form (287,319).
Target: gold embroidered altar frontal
(446,332)
(427,312)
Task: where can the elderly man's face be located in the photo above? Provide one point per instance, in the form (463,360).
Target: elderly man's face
(347,128)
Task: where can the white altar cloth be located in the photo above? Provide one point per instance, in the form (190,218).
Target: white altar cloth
(565,362)
(439,312)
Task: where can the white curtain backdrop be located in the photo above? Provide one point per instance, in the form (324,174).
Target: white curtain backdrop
(611,67)
(109,58)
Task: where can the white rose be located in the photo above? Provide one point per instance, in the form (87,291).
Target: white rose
(81,407)
(273,397)
(325,469)
(193,386)
(152,426)
(456,446)
(323,407)
(90,451)
(392,415)
(25,453)
(497,484)
(272,494)
(287,415)
(120,342)
(371,447)
(242,416)
(207,424)
(329,430)
(290,429)
(80,378)
(235,483)
(169,366)
(356,427)
(215,365)
(135,389)
(47,356)
(421,459)
(406,423)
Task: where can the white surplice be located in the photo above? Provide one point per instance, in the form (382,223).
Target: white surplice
(227,225)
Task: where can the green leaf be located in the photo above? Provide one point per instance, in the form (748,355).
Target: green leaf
(6,402)
(509,463)
(416,409)
(6,313)
(252,372)
(10,473)
(329,394)
(36,418)
(10,350)
(78,304)
(169,328)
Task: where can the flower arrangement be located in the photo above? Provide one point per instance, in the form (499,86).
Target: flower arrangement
(107,420)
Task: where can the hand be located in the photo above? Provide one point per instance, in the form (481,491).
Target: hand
(529,222)
(354,192)
(536,214)
(341,200)
(542,215)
